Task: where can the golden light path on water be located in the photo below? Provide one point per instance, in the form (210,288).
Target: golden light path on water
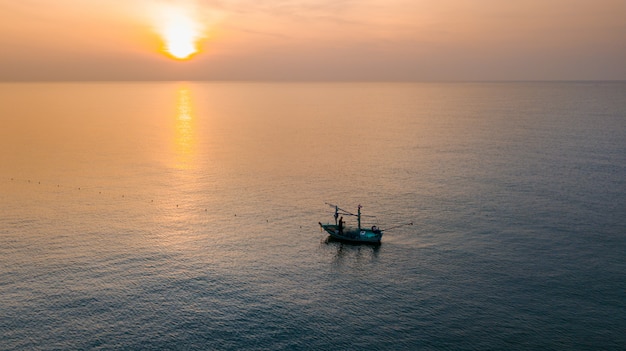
(184,141)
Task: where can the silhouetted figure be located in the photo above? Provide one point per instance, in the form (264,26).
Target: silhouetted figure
(341,225)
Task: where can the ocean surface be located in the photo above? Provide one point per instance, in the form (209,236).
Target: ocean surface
(184,216)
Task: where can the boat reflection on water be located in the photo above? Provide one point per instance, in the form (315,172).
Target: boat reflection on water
(344,252)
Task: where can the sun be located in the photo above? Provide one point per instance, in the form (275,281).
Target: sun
(180,38)
(180,33)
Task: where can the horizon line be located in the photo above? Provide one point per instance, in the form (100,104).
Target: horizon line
(313,81)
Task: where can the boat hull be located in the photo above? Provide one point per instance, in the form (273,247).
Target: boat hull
(353,234)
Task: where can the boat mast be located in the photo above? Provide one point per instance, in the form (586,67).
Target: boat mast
(359,217)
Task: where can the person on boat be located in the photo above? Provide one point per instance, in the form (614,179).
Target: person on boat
(340,225)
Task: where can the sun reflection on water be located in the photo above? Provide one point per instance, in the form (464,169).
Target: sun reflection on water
(184,141)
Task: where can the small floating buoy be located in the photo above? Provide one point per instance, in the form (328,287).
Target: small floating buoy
(176,205)
(38,182)
(78,188)
(205,210)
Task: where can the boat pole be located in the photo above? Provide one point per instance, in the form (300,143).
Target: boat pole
(359,217)
(401,225)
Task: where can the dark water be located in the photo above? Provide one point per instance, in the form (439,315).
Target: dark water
(184,216)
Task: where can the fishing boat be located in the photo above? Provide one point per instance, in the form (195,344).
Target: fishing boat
(340,231)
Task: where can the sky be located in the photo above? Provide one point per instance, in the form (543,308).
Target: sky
(313,40)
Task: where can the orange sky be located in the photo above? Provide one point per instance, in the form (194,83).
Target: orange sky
(315,40)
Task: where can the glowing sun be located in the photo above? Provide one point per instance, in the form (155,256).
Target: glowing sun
(180,33)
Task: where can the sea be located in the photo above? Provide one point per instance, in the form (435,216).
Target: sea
(185,216)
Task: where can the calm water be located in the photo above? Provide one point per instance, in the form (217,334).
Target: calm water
(184,216)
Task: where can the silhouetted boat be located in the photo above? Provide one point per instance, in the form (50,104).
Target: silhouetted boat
(340,231)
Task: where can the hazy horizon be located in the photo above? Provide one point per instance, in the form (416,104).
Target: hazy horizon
(286,81)
(289,40)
